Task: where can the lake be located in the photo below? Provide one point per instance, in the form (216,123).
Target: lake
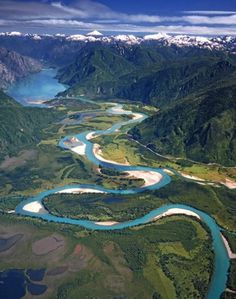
(14,282)
(37,87)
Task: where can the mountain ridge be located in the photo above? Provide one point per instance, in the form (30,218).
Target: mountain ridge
(219,42)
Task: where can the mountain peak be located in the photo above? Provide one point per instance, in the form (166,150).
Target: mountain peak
(94,33)
(156,36)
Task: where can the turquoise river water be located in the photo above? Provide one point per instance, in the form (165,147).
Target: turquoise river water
(221,263)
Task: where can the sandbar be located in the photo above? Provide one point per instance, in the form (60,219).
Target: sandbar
(192,177)
(150,177)
(168,171)
(106,223)
(177,211)
(80,190)
(91,135)
(137,116)
(80,149)
(35,207)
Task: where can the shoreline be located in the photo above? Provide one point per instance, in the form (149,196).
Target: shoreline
(231,254)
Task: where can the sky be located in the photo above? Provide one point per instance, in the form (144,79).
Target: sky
(138,17)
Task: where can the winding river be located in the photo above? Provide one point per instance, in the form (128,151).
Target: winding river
(219,277)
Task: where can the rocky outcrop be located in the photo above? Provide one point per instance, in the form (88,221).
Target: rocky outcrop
(14,66)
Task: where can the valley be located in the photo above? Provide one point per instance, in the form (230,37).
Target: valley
(103,207)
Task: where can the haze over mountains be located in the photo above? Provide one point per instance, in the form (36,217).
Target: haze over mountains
(192,79)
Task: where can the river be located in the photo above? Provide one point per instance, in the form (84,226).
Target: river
(219,278)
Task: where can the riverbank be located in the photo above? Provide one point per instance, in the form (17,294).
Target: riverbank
(230,252)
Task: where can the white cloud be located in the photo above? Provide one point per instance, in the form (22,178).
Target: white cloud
(88,14)
(223,20)
(63,23)
(72,11)
(209,12)
(126,27)
(27,10)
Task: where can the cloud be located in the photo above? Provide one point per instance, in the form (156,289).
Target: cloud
(27,10)
(91,9)
(89,14)
(84,9)
(68,25)
(209,12)
(223,20)
(71,11)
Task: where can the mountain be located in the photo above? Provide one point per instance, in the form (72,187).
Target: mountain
(201,126)
(195,89)
(21,126)
(60,49)
(171,81)
(150,74)
(96,70)
(191,79)
(14,66)
(94,33)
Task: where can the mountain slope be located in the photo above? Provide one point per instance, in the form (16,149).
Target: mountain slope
(21,126)
(169,82)
(95,70)
(143,72)
(14,66)
(201,127)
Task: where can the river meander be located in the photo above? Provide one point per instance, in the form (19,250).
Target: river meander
(219,278)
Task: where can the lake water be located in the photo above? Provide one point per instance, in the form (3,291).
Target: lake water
(13,283)
(37,87)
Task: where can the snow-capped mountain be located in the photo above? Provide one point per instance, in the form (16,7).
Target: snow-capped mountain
(163,39)
(94,33)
